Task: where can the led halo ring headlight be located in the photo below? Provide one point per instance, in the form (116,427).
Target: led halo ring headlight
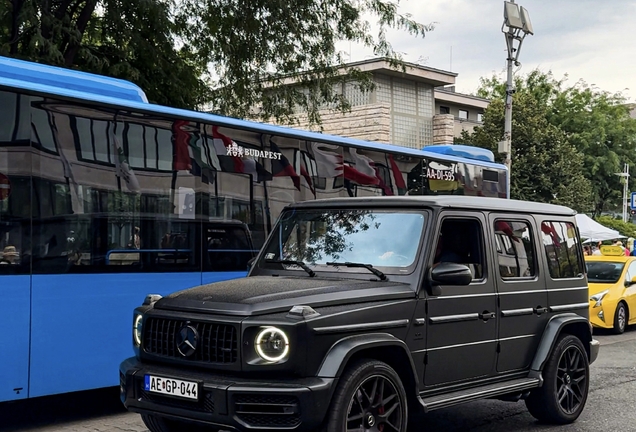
(137,329)
(272,344)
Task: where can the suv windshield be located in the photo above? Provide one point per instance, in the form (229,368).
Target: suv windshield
(319,238)
(604,272)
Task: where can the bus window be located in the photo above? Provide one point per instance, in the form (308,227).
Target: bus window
(229,246)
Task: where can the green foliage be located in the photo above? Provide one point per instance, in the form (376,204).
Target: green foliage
(546,167)
(625,228)
(591,129)
(190,53)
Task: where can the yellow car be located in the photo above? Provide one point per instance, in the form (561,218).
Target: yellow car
(612,287)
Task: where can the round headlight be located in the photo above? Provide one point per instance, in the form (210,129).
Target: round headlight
(137,329)
(272,344)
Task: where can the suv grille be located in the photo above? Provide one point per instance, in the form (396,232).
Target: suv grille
(217,343)
(270,411)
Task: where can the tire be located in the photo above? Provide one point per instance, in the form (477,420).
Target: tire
(621,318)
(566,376)
(160,424)
(354,404)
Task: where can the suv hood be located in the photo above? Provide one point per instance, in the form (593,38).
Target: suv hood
(258,295)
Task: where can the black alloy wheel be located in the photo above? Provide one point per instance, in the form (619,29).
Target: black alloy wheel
(375,406)
(370,397)
(571,379)
(566,375)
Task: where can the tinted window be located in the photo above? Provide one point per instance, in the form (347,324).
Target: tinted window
(603,271)
(461,241)
(15,189)
(563,249)
(100,203)
(229,247)
(515,249)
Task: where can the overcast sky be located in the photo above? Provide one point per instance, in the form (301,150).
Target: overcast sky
(593,40)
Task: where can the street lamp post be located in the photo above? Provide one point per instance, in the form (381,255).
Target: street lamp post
(517,20)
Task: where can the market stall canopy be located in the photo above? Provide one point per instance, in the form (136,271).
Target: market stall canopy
(594,231)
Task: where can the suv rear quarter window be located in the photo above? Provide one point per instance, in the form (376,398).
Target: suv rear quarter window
(562,248)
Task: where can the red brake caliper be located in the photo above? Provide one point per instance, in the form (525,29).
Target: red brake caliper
(381,411)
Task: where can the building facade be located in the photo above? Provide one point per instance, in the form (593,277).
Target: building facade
(412,108)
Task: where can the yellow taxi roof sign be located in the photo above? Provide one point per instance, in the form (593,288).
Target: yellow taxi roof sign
(612,250)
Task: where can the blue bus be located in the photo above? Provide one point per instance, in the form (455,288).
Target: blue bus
(105,198)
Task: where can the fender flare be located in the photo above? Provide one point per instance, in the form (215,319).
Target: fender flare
(336,359)
(552,331)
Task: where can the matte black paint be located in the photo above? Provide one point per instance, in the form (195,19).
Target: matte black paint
(489,338)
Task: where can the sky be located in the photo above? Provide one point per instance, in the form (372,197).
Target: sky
(592,40)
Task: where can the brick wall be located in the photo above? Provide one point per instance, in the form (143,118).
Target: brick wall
(367,122)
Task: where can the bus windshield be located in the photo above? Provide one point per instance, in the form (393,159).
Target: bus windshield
(319,238)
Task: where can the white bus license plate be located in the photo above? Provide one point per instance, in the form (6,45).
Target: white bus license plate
(172,387)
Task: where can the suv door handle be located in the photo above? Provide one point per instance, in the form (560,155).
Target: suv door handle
(487,315)
(540,310)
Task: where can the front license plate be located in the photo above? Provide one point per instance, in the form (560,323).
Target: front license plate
(172,387)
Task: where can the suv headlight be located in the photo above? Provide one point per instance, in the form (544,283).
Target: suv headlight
(137,329)
(272,344)
(598,298)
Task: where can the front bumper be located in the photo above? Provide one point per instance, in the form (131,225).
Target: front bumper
(230,402)
(594,349)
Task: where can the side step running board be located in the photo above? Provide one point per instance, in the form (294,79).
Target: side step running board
(449,399)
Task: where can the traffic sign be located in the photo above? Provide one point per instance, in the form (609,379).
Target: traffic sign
(5,187)
(633,201)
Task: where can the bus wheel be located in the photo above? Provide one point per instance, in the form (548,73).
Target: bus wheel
(160,424)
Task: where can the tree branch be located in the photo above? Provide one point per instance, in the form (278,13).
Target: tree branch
(15,26)
(82,22)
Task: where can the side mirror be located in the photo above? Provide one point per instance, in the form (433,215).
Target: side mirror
(250,263)
(447,273)
(631,282)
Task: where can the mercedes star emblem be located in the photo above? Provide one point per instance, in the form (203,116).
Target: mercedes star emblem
(187,339)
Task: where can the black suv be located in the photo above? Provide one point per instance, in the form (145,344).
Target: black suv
(360,314)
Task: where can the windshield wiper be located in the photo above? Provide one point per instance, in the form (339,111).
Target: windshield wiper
(300,264)
(369,267)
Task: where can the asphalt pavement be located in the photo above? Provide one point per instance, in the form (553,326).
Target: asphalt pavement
(610,406)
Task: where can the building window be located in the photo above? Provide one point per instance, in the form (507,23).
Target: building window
(463,115)
(480,117)
(444,110)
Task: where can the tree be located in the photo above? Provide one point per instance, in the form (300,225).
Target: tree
(546,167)
(186,53)
(595,122)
